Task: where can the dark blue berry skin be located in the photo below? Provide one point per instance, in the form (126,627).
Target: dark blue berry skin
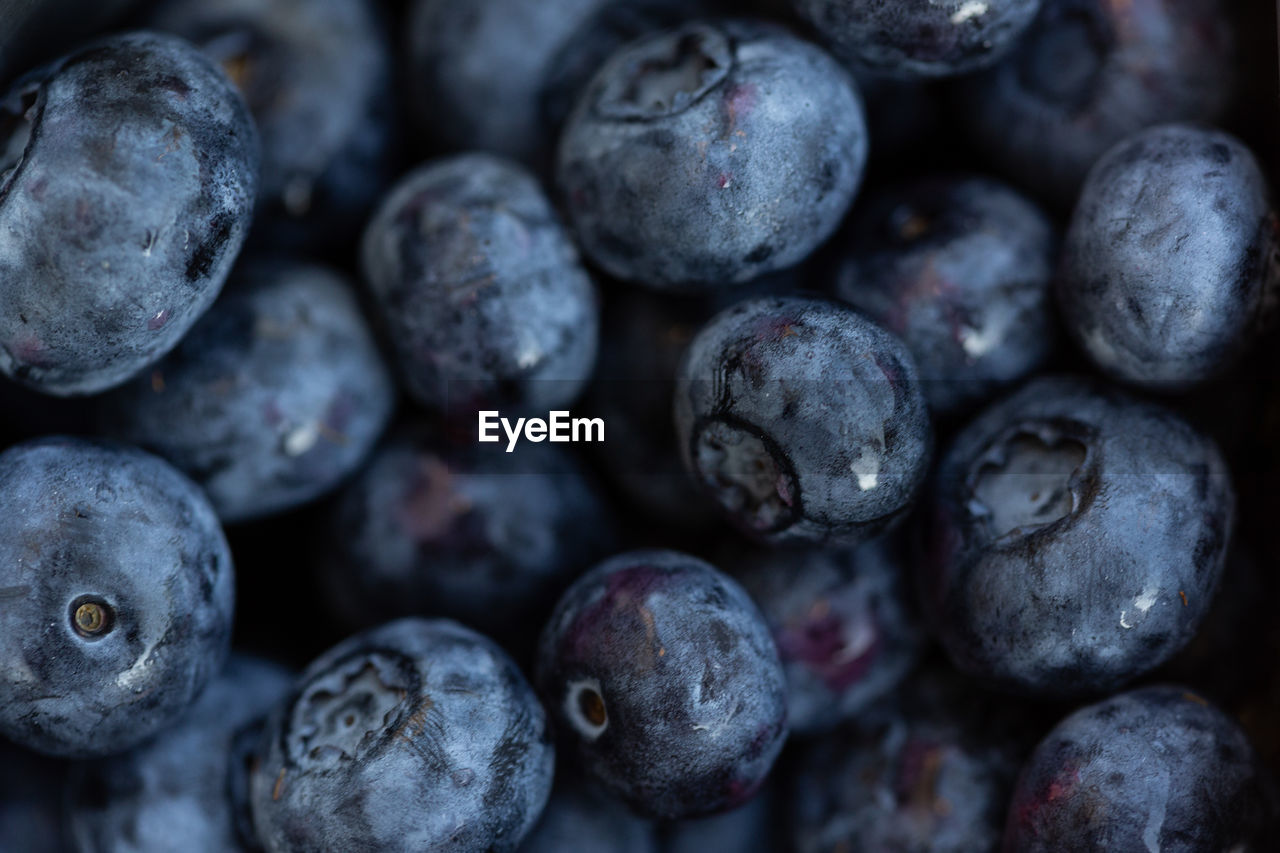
(843,621)
(1089,73)
(920,38)
(669,164)
(420,735)
(929,772)
(803,420)
(502,75)
(1171,264)
(960,269)
(127,175)
(664,681)
(1075,539)
(32,818)
(117,586)
(480,289)
(177,789)
(1158,768)
(750,828)
(584,820)
(488,538)
(276,396)
(317,77)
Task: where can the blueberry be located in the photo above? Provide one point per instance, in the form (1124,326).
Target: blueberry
(1154,769)
(419,735)
(920,38)
(929,772)
(275,397)
(843,622)
(584,820)
(32,818)
(666,683)
(1089,73)
(1171,262)
(175,790)
(116,584)
(480,288)
(750,828)
(488,538)
(670,164)
(127,175)
(803,419)
(317,77)
(501,75)
(1075,539)
(959,268)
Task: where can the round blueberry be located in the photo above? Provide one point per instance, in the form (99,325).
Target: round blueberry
(419,735)
(664,679)
(502,75)
(275,397)
(1153,769)
(803,419)
(1171,262)
(843,622)
(487,538)
(1090,72)
(931,771)
(1075,539)
(115,596)
(711,154)
(959,268)
(178,787)
(481,289)
(317,78)
(127,176)
(920,38)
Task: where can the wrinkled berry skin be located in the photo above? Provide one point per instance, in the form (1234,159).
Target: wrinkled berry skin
(669,163)
(584,820)
(31,802)
(960,269)
(803,420)
(117,589)
(1153,769)
(419,735)
(275,397)
(1089,73)
(480,289)
(123,211)
(920,38)
(1170,265)
(178,785)
(844,624)
(1075,539)
(664,680)
(482,536)
(929,772)
(502,75)
(316,75)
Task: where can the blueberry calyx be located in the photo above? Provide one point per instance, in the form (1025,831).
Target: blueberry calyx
(668,74)
(92,617)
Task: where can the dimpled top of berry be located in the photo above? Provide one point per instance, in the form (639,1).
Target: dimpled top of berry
(419,735)
(1076,538)
(663,675)
(128,171)
(116,595)
(803,419)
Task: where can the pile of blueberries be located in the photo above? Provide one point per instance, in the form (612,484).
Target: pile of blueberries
(930,346)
